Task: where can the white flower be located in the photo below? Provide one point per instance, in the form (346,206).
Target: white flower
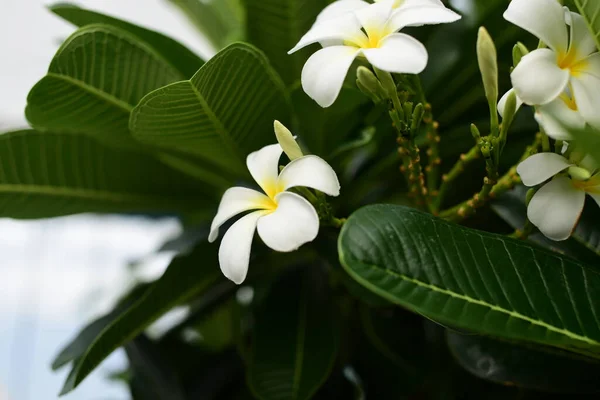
(555,208)
(348,29)
(570,65)
(284,220)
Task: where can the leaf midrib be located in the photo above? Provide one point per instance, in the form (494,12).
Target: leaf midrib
(93,90)
(459,296)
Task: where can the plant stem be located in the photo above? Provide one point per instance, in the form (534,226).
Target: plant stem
(449,178)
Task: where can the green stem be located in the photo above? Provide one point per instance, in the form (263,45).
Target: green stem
(458,168)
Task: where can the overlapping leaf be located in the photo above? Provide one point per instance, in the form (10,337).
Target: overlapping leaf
(223,113)
(473,280)
(182,59)
(46,175)
(590,10)
(96,77)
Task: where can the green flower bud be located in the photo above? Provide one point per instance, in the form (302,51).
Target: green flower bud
(488,65)
(579,174)
(367,81)
(417,118)
(286,141)
(519,51)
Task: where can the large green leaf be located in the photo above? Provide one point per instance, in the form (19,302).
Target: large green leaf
(508,363)
(186,277)
(179,56)
(93,82)
(46,175)
(473,280)
(277,25)
(220,21)
(294,342)
(590,11)
(223,113)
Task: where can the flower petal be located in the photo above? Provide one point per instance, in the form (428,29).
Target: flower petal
(558,119)
(556,207)
(538,79)
(263,165)
(502,102)
(234,201)
(586,91)
(294,223)
(340,8)
(540,167)
(589,65)
(310,171)
(234,252)
(542,18)
(345,27)
(324,72)
(582,42)
(375,17)
(425,13)
(399,53)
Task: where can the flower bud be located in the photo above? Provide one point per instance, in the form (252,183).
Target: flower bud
(488,64)
(519,51)
(579,174)
(369,82)
(286,141)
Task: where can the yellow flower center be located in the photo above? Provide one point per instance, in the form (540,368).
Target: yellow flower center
(591,185)
(569,101)
(569,61)
(272,189)
(370,39)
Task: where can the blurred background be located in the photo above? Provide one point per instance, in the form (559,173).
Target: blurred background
(80,264)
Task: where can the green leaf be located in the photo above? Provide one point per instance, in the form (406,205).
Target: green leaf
(46,175)
(472,280)
(220,21)
(277,25)
(325,129)
(93,82)
(223,113)
(77,347)
(590,11)
(179,56)
(186,277)
(526,367)
(294,341)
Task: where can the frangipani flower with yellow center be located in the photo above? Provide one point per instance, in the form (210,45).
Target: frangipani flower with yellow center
(370,32)
(570,66)
(284,220)
(555,208)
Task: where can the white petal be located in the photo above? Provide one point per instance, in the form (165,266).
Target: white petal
(234,201)
(556,207)
(345,27)
(543,18)
(375,17)
(234,252)
(582,41)
(339,8)
(538,79)
(264,167)
(502,102)
(426,13)
(586,90)
(540,167)
(324,72)
(589,65)
(558,119)
(399,53)
(294,223)
(310,171)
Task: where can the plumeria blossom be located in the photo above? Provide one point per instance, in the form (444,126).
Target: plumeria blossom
(284,220)
(556,207)
(349,28)
(566,75)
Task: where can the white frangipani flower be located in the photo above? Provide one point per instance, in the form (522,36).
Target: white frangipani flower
(368,31)
(556,207)
(284,220)
(569,67)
